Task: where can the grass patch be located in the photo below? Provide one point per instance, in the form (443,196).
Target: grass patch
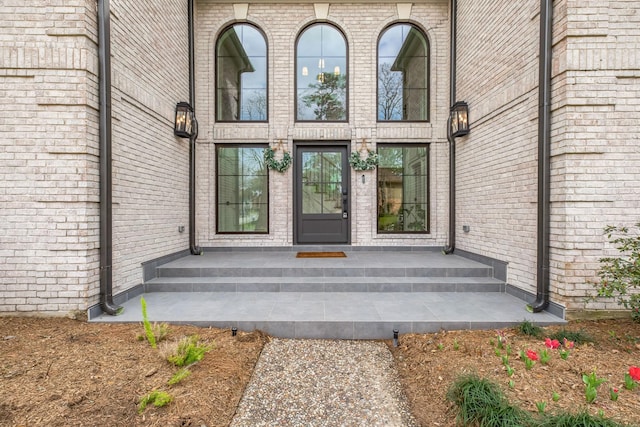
(529,329)
(481,402)
(582,419)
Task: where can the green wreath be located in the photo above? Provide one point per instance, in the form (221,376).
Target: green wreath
(361,164)
(270,159)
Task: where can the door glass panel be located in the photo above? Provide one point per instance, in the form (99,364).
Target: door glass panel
(321,182)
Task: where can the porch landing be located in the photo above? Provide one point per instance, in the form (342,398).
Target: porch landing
(366,295)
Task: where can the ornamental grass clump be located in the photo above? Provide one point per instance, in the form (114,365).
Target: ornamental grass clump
(187,351)
(481,402)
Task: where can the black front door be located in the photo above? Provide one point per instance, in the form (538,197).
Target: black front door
(321,194)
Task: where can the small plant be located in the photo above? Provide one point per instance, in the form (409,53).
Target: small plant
(188,350)
(481,402)
(157,398)
(456,346)
(555,396)
(512,384)
(613,394)
(541,407)
(147,325)
(629,383)
(631,377)
(591,382)
(505,360)
(502,339)
(440,346)
(155,332)
(568,346)
(529,358)
(179,376)
(510,370)
(545,357)
(582,419)
(529,329)
(620,275)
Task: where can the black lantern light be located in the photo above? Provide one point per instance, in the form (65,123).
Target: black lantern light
(185,124)
(459,119)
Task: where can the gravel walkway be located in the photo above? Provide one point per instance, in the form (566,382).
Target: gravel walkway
(324,383)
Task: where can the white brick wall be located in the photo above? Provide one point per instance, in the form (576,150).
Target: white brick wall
(594,136)
(362,23)
(49,223)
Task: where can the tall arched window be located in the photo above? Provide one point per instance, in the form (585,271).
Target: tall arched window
(321,74)
(241,75)
(403,74)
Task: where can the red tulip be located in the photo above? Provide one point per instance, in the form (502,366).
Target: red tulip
(552,344)
(634,372)
(532,355)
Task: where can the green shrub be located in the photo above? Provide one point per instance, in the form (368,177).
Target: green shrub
(481,402)
(620,275)
(157,398)
(582,419)
(529,329)
(187,351)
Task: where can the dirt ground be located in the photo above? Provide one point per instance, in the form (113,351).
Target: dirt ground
(63,372)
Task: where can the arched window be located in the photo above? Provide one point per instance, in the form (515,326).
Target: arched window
(321,74)
(241,75)
(403,74)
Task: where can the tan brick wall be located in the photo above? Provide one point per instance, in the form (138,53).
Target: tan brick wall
(49,218)
(594,136)
(361,23)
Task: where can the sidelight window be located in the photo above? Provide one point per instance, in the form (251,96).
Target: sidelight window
(403,188)
(242,189)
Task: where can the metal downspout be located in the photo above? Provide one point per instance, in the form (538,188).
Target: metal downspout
(195,250)
(544,157)
(106,230)
(452,145)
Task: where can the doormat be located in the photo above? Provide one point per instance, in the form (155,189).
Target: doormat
(321,255)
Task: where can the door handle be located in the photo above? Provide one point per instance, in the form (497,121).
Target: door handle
(345,202)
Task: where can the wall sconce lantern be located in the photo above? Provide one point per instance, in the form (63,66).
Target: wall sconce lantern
(459,119)
(185,123)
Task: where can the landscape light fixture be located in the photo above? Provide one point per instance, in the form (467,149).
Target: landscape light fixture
(459,119)
(185,123)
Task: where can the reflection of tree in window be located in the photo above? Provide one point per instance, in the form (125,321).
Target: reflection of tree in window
(321,74)
(327,97)
(403,68)
(241,77)
(403,189)
(241,190)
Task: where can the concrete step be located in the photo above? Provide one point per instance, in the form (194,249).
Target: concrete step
(324,284)
(328,270)
(334,315)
